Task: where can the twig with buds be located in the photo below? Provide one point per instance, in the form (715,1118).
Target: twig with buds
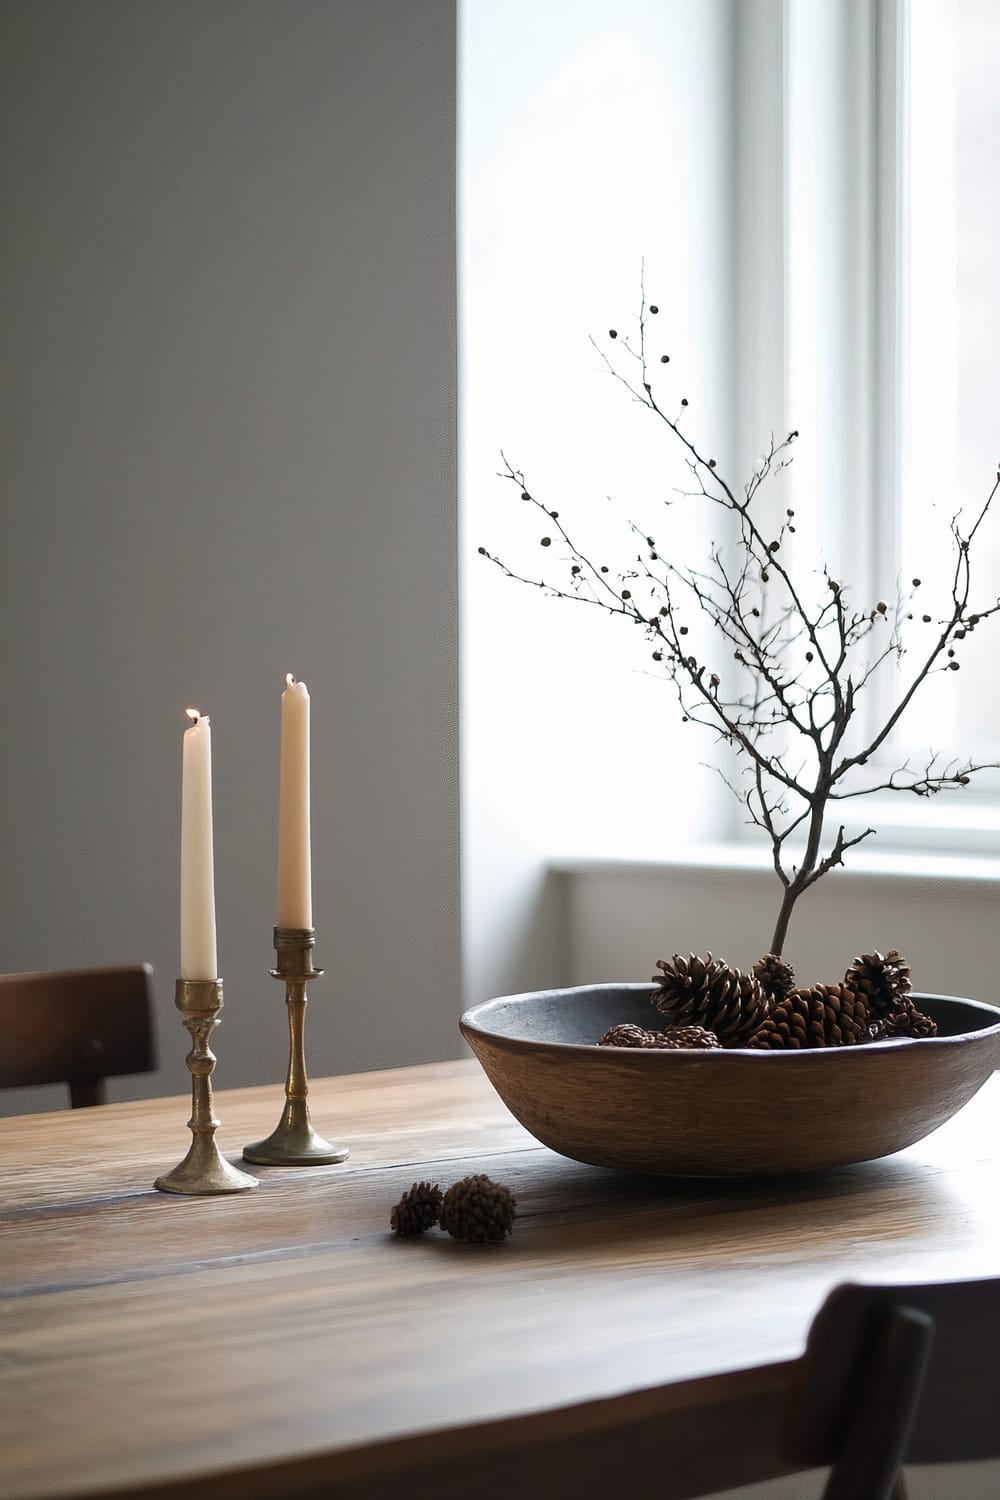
(787,669)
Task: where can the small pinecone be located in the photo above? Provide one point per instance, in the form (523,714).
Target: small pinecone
(776,976)
(628,1035)
(688,1037)
(674,1037)
(828,1015)
(478,1209)
(417,1210)
(909,1022)
(707,992)
(884,979)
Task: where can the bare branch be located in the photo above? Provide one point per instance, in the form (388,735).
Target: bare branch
(788,669)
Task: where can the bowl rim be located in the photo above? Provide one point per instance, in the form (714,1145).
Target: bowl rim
(471,1023)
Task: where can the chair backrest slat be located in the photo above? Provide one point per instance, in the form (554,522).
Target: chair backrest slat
(77,1027)
(906,1373)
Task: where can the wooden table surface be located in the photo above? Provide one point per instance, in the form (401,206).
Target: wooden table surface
(282,1343)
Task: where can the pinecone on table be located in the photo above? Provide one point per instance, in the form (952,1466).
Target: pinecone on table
(828,1015)
(706,992)
(417,1210)
(477,1209)
(884,979)
(776,976)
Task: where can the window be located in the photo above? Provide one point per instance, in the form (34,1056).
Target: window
(593,137)
(950,390)
(812,189)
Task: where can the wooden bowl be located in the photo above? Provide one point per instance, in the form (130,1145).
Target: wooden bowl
(721,1113)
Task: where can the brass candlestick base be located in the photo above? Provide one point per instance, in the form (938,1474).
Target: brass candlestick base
(294,1143)
(204,1170)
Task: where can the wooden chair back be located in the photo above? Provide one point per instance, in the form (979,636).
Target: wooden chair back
(896,1375)
(76,1026)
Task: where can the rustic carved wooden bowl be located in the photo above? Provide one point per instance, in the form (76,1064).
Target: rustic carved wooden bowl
(721,1113)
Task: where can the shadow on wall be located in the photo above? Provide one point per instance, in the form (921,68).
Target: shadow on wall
(524,938)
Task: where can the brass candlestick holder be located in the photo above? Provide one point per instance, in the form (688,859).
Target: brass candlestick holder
(294,1142)
(204,1170)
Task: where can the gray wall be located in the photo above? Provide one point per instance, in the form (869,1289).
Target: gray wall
(941,914)
(228,451)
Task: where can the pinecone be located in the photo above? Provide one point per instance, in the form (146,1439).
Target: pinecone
(674,1037)
(884,979)
(478,1209)
(707,992)
(828,1015)
(908,1021)
(417,1210)
(688,1037)
(628,1035)
(776,976)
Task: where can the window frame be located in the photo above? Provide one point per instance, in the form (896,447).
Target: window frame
(830,84)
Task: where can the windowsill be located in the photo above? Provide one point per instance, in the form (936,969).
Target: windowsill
(890,862)
(948,837)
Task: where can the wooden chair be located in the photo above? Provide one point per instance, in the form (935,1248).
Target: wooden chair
(897,1375)
(76,1026)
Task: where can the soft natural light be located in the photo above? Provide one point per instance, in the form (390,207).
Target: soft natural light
(593,151)
(808,192)
(951,444)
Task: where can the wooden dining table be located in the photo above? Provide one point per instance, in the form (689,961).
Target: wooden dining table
(632,1335)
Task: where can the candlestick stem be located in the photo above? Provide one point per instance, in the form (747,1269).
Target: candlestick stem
(294,1142)
(204,1170)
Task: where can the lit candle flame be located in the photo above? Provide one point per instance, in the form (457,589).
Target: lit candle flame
(194,714)
(289,679)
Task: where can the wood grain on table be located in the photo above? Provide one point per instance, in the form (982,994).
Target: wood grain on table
(282,1342)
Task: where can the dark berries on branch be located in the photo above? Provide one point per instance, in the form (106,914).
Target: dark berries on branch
(760,605)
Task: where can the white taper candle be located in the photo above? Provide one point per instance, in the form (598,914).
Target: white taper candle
(294,837)
(198,947)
